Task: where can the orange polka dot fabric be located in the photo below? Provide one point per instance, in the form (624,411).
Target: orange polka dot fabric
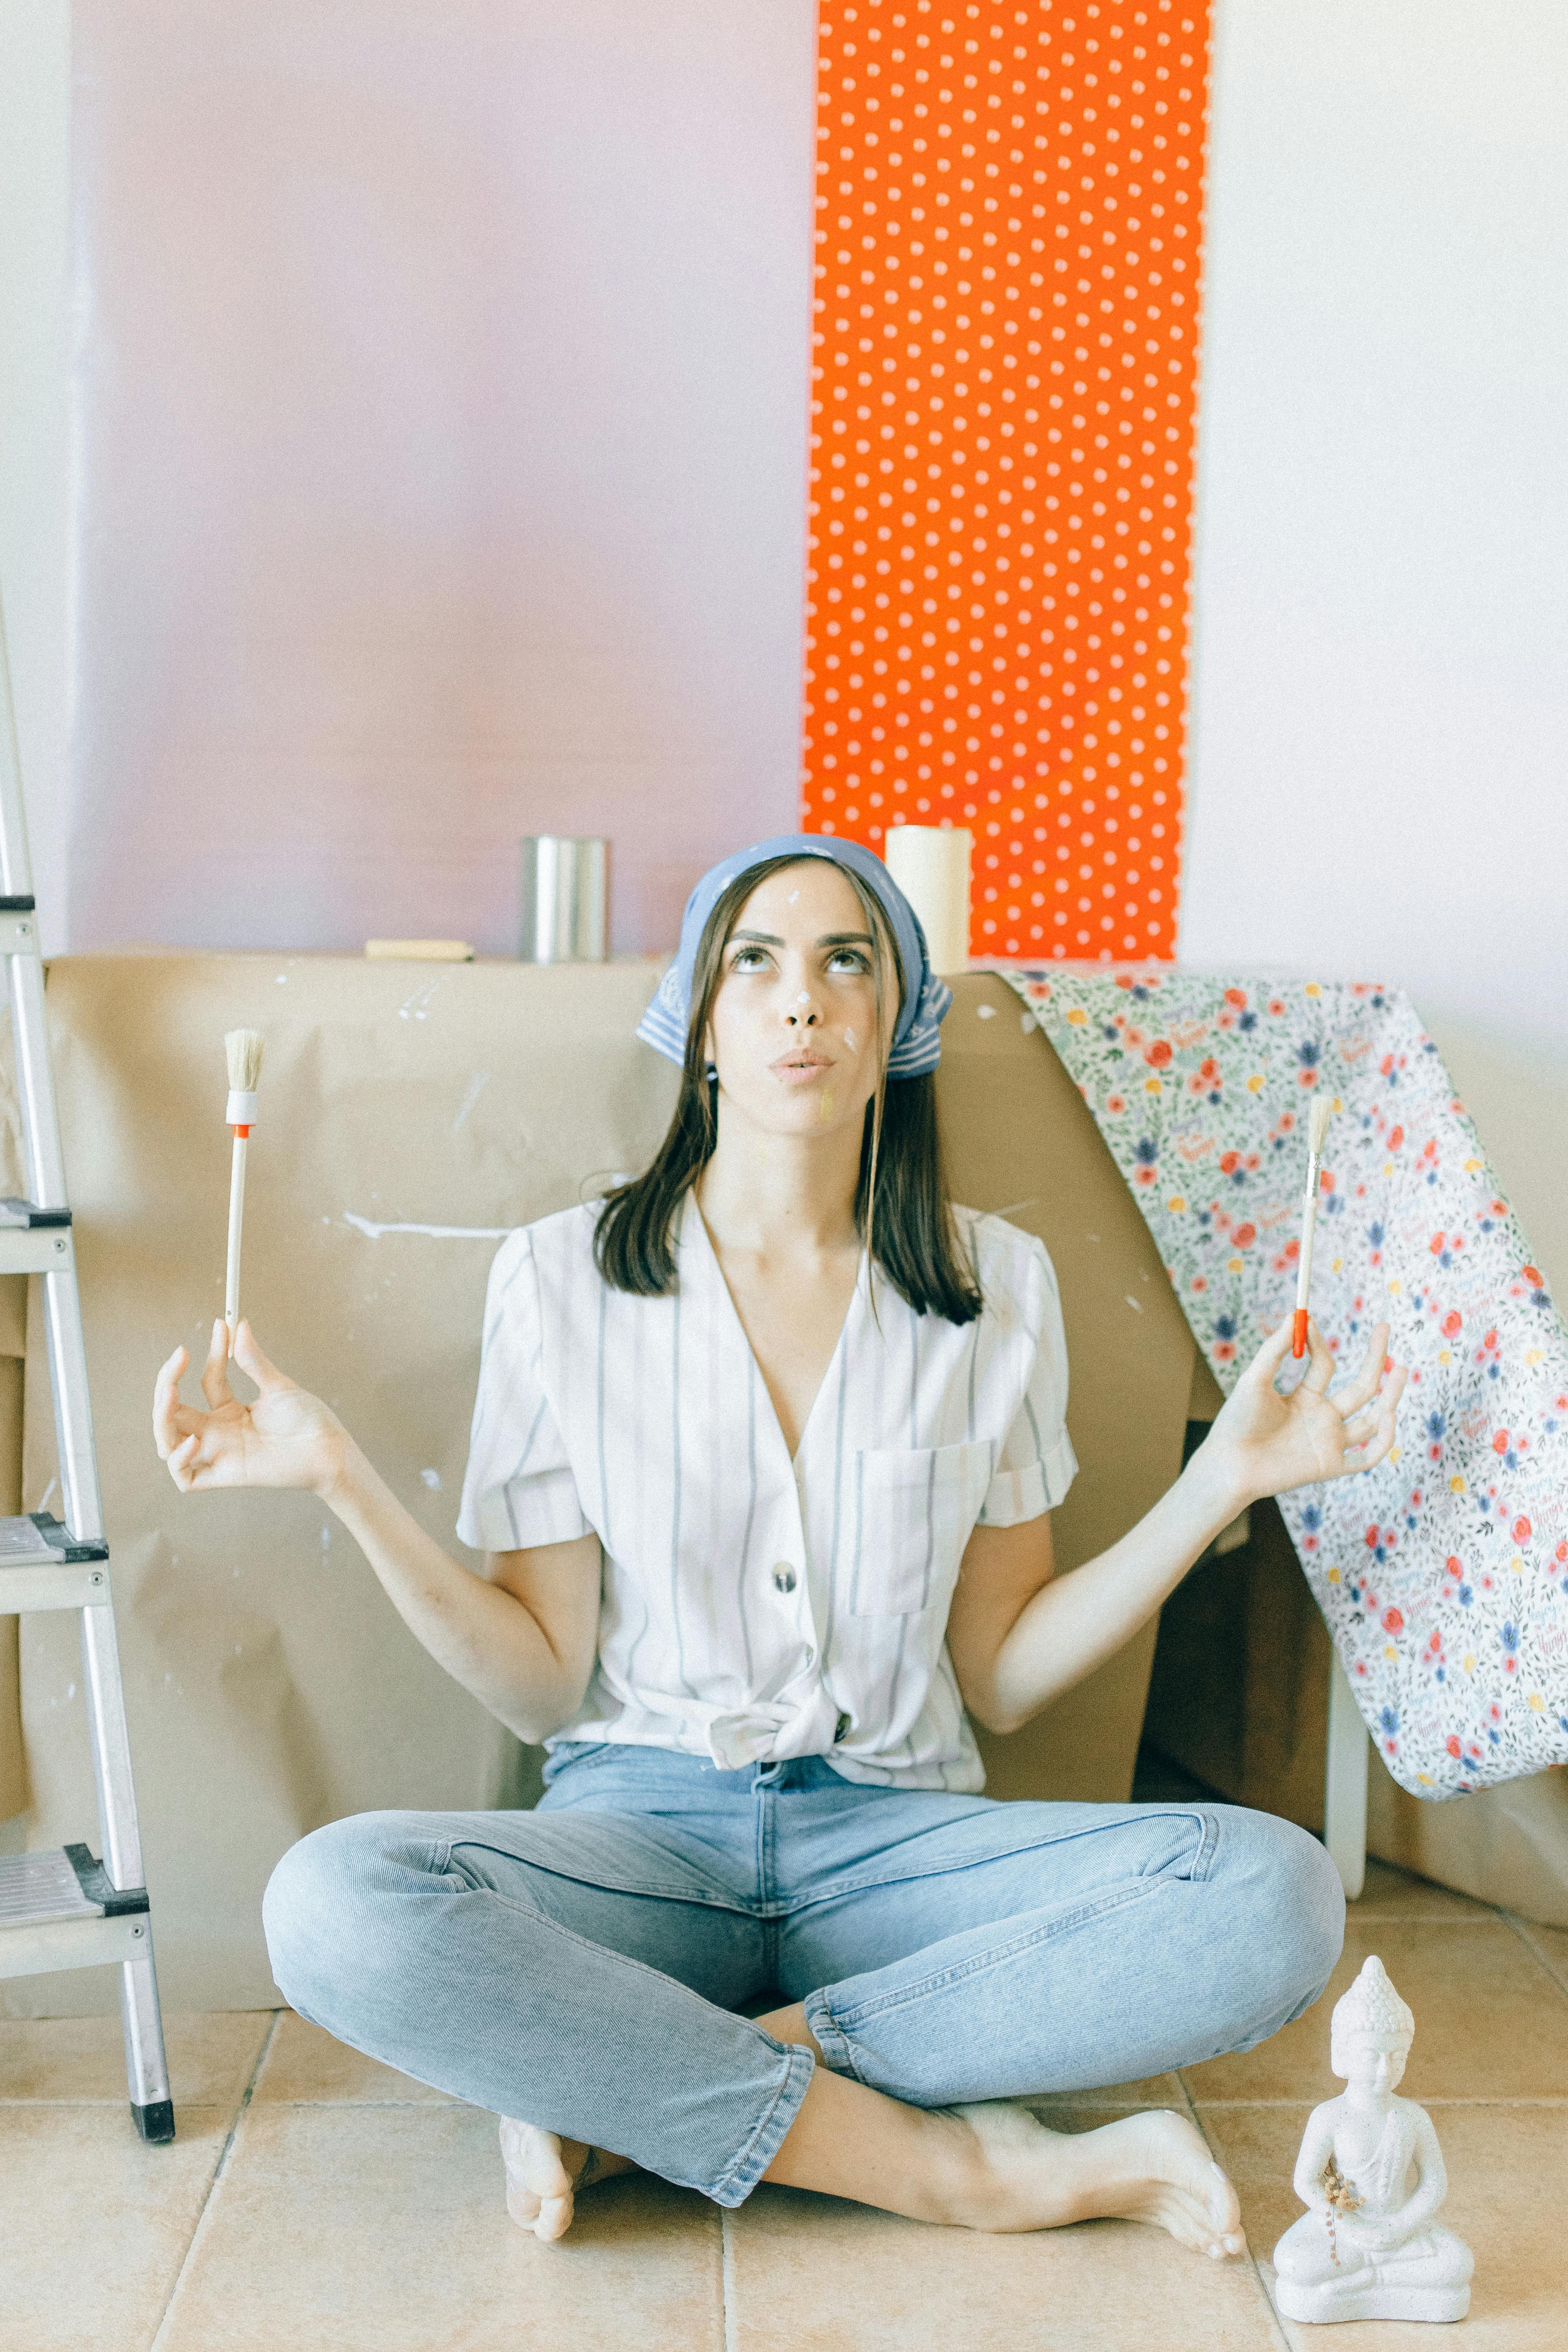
(1008,215)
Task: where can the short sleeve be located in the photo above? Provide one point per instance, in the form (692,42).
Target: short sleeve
(518,1490)
(1037,1464)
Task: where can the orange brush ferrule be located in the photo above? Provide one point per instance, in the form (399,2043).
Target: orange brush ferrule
(1299,1332)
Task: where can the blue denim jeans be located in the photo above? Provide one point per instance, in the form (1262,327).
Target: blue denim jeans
(583,1965)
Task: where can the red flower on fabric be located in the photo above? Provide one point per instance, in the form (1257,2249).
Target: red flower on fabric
(1522,1530)
(1244,1236)
(1452,1321)
(1500,1442)
(1236,996)
(1451,1744)
(1158,1054)
(1393,1622)
(1395,1138)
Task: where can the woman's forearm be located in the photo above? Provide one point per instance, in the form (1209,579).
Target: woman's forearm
(1078,1620)
(483,1636)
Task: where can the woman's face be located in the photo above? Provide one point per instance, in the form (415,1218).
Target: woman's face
(793,1025)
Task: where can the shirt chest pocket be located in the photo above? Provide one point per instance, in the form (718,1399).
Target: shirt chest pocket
(914,1509)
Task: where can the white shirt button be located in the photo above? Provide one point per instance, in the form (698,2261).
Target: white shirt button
(784,1577)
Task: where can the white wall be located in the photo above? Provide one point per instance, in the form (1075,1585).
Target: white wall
(1379,755)
(439,423)
(34,197)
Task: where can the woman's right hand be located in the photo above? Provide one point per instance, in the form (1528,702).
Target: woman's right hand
(286,1438)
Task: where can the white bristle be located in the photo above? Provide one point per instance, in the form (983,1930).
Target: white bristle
(1318,1119)
(243,1047)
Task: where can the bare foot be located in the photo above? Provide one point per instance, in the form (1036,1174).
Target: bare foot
(1152,2167)
(544,2174)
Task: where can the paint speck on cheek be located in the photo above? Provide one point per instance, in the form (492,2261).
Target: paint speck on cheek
(793,896)
(802,998)
(849,1039)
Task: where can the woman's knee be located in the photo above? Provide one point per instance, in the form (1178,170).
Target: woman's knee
(1293,1901)
(322,1912)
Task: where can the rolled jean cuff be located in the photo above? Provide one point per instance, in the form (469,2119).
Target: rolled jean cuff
(735,2187)
(837,2051)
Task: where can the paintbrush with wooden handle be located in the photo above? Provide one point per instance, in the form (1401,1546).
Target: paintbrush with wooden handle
(243,1047)
(1318,1119)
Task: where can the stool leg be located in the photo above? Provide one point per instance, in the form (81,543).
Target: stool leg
(1345,1783)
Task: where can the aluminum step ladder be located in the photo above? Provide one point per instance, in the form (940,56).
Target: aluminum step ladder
(63,1909)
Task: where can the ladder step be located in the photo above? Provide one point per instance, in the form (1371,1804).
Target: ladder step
(33,1240)
(57,1910)
(13,1211)
(43,1566)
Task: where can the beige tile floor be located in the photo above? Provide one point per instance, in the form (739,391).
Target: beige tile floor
(317,2202)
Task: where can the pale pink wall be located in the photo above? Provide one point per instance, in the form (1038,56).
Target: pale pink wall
(438,451)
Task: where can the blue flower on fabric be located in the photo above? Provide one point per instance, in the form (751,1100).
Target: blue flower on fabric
(1248,1021)
(1511,1639)
(1388,1721)
(1145,1152)
(1308,1053)
(1334,1206)
(1375,1233)
(1225,1326)
(1436,1425)
(1465,1596)
(1311,1518)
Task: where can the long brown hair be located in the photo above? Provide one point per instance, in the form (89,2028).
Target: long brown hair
(901,1197)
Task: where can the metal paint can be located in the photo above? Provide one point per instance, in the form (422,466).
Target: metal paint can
(565,899)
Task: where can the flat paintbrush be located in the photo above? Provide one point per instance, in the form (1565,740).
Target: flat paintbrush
(243,1047)
(1318,1119)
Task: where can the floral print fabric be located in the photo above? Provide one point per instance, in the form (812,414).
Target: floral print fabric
(1442,1574)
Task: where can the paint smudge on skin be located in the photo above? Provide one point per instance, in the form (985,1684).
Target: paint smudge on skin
(476,1085)
(432,1479)
(849,1039)
(374,1232)
(793,896)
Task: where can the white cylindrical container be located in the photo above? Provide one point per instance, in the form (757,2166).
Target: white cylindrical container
(565,899)
(930,864)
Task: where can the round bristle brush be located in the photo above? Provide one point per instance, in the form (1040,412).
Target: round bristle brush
(243,1047)
(1318,1119)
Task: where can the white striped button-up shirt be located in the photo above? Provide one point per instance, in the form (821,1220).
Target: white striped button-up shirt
(755,1607)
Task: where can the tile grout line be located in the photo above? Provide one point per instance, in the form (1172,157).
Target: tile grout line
(727,2279)
(1522,1928)
(1550,2099)
(1280,2336)
(218,2171)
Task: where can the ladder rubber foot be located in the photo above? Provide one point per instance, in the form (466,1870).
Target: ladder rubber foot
(155,2121)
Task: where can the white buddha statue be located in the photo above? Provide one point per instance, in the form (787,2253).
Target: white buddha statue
(1371,2177)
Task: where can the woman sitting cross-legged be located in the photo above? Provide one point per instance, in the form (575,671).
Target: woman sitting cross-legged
(762,1463)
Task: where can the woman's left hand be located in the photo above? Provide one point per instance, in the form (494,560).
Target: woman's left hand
(1272,1443)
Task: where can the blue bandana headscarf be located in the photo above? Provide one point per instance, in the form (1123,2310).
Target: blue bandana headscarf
(917,1046)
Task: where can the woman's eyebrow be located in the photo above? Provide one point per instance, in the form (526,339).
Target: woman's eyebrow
(828,940)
